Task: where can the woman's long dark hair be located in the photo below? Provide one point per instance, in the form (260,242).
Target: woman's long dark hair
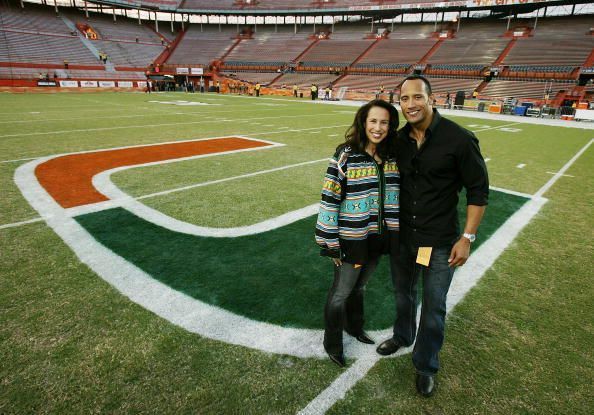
(356,137)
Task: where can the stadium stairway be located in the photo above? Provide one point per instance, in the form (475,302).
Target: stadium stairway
(505,51)
(164,56)
(430,52)
(589,60)
(366,51)
(88,44)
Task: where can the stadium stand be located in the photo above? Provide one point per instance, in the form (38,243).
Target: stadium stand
(442,86)
(555,41)
(269,46)
(456,55)
(336,52)
(33,19)
(304,80)
(534,90)
(42,48)
(203,44)
(279,4)
(398,51)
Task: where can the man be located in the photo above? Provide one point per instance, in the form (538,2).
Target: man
(295,89)
(436,158)
(257,88)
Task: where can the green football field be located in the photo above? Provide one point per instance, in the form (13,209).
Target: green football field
(151,295)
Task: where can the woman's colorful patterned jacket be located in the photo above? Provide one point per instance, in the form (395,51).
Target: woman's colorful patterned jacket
(352,221)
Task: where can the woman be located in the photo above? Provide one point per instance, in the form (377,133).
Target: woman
(358,219)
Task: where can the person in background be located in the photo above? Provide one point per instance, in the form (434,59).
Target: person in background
(358,219)
(436,158)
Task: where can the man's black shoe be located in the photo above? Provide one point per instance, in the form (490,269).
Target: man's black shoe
(363,338)
(388,347)
(337,358)
(425,385)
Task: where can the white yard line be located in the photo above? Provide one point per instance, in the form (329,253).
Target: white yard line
(17,160)
(561,172)
(465,278)
(123,127)
(341,385)
(554,172)
(242,176)
(25,222)
(495,127)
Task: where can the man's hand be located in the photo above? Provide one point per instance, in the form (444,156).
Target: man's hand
(337,261)
(460,253)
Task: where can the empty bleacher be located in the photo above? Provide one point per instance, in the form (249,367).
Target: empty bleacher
(398,51)
(203,44)
(32,19)
(555,41)
(523,89)
(304,80)
(482,52)
(270,46)
(338,52)
(442,86)
(24,47)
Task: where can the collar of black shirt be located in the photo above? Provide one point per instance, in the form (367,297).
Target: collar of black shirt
(405,131)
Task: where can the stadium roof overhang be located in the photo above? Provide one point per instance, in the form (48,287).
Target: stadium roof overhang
(497,7)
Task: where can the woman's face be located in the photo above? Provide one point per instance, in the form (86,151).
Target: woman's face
(377,124)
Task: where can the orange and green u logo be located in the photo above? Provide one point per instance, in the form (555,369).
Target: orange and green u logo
(261,286)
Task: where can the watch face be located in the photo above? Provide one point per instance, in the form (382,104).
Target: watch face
(470,237)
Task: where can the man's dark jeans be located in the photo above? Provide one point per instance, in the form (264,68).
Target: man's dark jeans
(436,283)
(344,306)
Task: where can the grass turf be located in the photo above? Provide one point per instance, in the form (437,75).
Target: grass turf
(258,275)
(519,343)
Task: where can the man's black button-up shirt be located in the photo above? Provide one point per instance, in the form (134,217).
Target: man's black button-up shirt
(432,177)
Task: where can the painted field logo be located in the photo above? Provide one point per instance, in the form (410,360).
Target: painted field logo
(262,286)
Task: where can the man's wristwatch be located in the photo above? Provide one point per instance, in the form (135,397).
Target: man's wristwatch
(470,236)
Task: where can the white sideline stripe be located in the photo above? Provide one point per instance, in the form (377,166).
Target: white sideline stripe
(242,176)
(494,127)
(561,172)
(25,222)
(565,175)
(511,192)
(341,385)
(466,277)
